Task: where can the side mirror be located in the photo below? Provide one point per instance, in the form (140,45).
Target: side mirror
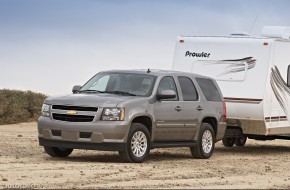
(288,76)
(76,89)
(166,94)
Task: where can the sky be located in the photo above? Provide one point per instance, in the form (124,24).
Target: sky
(49,46)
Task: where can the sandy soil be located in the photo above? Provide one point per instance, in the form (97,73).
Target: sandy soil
(23,164)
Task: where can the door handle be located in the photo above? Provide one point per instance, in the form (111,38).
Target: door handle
(178,108)
(199,108)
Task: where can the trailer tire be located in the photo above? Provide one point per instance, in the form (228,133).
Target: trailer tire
(241,141)
(229,141)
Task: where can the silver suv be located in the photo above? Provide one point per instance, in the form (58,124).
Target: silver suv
(133,112)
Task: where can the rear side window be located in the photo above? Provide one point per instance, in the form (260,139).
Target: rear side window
(209,89)
(188,89)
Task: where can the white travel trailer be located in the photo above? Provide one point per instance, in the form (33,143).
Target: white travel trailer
(254,76)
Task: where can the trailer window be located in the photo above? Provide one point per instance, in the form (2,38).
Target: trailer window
(209,89)
(224,70)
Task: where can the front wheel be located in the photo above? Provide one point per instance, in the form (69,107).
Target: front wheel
(138,144)
(57,152)
(205,142)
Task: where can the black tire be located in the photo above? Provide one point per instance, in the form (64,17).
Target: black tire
(228,141)
(57,152)
(198,151)
(128,154)
(241,141)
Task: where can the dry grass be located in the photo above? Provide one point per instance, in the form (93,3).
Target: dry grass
(19,106)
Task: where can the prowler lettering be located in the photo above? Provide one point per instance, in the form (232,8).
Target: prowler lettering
(194,54)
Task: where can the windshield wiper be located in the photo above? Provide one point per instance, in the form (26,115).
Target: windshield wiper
(109,92)
(119,92)
(91,91)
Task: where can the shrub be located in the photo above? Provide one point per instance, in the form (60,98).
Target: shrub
(19,106)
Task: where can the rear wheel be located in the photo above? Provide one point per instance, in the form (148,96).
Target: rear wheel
(205,142)
(138,144)
(241,141)
(57,152)
(228,141)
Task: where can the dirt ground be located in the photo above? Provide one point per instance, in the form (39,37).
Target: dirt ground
(23,164)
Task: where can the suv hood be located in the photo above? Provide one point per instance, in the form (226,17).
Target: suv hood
(90,100)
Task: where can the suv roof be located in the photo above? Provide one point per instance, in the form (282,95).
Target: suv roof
(157,72)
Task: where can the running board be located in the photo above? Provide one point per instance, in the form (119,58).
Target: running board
(165,144)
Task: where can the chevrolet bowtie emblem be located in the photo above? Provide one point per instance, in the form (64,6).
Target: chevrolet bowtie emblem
(71,112)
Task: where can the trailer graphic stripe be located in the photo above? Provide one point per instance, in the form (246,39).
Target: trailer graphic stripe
(233,65)
(243,100)
(280,89)
(275,118)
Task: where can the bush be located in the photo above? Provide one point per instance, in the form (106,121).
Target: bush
(19,106)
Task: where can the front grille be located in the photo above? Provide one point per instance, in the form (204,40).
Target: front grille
(72,118)
(76,108)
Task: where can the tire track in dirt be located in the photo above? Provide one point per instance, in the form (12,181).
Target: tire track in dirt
(257,165)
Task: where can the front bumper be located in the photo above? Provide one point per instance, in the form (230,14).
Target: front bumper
(83,145)
(97,132)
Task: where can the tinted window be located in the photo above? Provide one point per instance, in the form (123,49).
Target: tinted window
(121,83)
(209,89)
(188,90)
(167,83)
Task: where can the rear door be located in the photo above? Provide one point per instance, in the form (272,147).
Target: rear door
(191,107)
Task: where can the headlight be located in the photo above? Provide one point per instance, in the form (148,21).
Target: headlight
(113,114)
(45,110)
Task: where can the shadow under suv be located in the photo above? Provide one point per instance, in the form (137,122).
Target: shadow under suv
(135,111)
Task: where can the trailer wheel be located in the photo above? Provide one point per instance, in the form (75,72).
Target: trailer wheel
(228,141)
(241,141)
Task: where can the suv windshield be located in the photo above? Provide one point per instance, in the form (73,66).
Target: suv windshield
(130,84)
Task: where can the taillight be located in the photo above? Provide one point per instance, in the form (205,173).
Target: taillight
(225,112)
